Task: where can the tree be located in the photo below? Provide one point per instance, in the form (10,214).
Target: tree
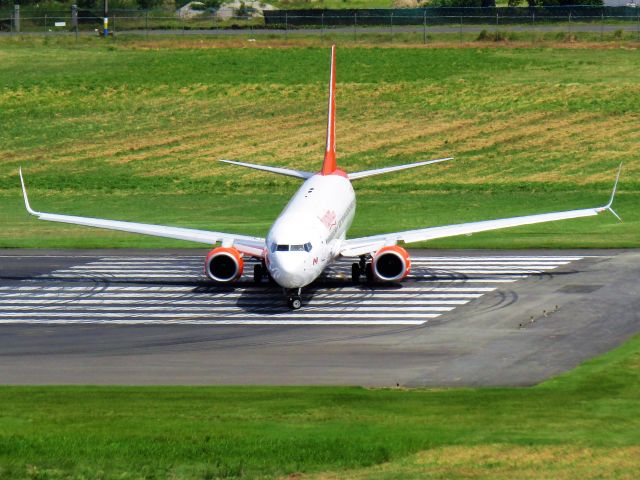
(457,3)
(148,4)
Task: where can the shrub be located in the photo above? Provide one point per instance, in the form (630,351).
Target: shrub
(485,36)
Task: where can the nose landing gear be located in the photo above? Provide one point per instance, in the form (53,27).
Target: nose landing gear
(294,300)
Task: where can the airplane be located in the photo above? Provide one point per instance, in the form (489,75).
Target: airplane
(311,232)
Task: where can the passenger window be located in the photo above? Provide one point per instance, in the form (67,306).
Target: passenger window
(307,247)
(297,248)
(282,248)
(273,247)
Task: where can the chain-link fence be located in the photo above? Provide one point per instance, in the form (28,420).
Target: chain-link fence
(621,21)
(135,21)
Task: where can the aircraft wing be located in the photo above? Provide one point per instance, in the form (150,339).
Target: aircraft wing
(364,245)
(253,246)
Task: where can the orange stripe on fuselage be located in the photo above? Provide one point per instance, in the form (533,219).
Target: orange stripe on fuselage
(330,165)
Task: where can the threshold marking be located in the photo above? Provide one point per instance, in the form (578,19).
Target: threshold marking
(109,290)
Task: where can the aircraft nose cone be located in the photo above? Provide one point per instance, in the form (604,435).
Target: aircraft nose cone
(287,270)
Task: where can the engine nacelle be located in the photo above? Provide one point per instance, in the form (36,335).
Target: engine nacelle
(391,264)
(224,265)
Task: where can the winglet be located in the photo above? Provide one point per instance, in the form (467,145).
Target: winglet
(613,194)
(330,165)
(24,193)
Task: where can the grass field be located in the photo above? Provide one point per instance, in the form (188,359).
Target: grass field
(582,424)
(132,130)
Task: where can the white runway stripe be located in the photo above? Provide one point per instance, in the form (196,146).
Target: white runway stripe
(162,276)
(176,315)
(159,273)
(424,298)
(199,265)
(254,290)
(442,279)
(329,321)
(209,309)
(200,302)
(194,258)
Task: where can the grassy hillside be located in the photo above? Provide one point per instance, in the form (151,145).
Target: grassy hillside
(133,129)
(583,423)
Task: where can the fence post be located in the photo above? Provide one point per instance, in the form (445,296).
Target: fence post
(322,26)
(602,27)
(16,18)
(496,17)
(638,22)
(424,27)
(460,28)
(569,25)
(391,25)
(355,26)
(146,23)
(45,23)
(286,25)
(74,19)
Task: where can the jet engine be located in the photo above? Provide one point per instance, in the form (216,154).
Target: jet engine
(391,264)
(224,264)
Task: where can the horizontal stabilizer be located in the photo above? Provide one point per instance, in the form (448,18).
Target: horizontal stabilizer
(379,171)
(280,171)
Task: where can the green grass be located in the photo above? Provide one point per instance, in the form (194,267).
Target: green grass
(585,418)
(132,129)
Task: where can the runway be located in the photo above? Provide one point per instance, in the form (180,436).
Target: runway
(173,289)
(461,318)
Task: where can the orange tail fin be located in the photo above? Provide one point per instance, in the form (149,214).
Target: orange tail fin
(330,165)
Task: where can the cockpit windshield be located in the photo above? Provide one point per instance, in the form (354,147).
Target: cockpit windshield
(279,247)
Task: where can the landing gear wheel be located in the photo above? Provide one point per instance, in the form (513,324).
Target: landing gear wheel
(355,273)
(294,302)
(258,273)
(368,271)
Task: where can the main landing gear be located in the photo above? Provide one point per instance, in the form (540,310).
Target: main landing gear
(259,272)
(362,268)
(294,300)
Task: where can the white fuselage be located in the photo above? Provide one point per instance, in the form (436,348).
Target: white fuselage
(307,235)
